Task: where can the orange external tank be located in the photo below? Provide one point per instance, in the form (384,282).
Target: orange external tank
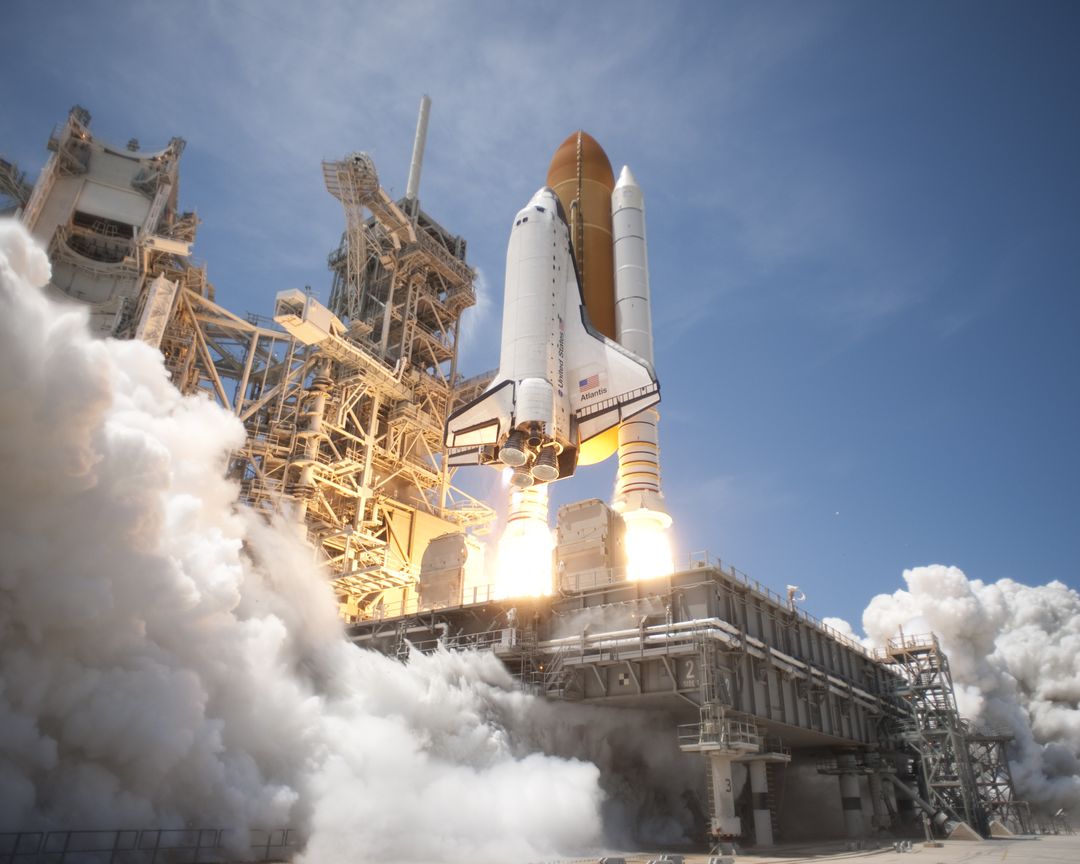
(581,176)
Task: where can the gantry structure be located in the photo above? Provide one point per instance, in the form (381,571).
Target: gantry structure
(935,729)
(994,782)
(963,771)
(343,407)
(15,189)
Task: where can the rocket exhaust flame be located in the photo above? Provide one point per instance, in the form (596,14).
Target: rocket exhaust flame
(648,545)
(524,558)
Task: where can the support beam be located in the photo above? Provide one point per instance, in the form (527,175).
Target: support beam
(850,799)
(880,820)
(724,821)
(759,794)
(905,806)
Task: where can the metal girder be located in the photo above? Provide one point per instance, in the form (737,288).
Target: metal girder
(375,432)
(936,731)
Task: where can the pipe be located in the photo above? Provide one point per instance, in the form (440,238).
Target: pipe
(941,818)
(412,189)
(877,801)
(759,794)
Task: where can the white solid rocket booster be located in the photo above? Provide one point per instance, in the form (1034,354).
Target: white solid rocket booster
(637,489)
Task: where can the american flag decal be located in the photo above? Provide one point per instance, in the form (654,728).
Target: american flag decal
(590,382)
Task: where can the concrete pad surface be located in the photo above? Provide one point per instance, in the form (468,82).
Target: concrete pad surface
(1047,849)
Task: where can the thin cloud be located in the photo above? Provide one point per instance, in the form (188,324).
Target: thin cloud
(478,345)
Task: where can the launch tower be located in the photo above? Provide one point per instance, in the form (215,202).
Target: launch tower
(343,406)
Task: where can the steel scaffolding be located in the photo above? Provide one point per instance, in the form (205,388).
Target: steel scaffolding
(994,783)
(15,191)
(936,732)
(150,845)
(345,426)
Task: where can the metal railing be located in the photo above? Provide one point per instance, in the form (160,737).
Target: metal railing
(720,734)
(615,401)
(148,846)
(777,746)
(603,577)
(489,640)
(703,560)
(906,644)
(412,604)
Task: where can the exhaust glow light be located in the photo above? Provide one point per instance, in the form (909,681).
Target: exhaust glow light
(648,546)
(523,564)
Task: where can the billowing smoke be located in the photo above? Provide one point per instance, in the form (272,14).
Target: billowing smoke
(167,659)
(1014,653)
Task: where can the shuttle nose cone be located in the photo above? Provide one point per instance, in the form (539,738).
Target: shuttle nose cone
(544,197)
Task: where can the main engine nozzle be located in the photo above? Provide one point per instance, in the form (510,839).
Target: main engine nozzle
(546,468)
(514,452)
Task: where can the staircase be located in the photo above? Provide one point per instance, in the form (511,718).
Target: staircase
(558,678)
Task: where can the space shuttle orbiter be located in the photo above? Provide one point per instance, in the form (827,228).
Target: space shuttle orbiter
(560,382)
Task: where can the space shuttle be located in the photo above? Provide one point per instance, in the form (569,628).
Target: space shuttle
(560,382)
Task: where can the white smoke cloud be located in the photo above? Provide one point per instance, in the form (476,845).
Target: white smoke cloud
(840,626)
(167,659)
(1014,653)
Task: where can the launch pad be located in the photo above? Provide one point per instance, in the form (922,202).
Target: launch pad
(754,685)
(746,679)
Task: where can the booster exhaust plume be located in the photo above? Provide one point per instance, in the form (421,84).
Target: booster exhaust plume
(524,559)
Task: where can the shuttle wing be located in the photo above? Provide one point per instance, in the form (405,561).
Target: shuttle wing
(610,386)
(606,383)
(484,420)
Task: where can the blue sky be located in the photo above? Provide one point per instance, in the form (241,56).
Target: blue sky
(864,229)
